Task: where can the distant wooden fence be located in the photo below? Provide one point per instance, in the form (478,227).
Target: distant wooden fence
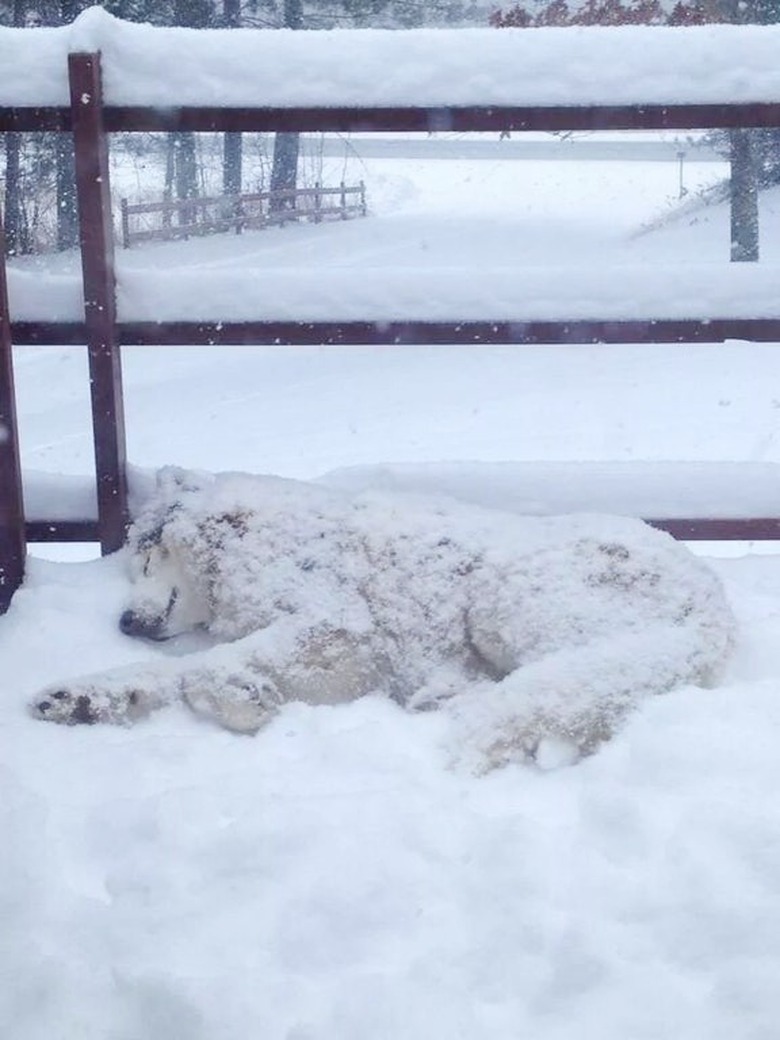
(205,215)
(90,121)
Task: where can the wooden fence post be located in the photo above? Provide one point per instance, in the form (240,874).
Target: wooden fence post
(12,540)
(97,260)
(343,201)
(363,207)
(167,217)
(125,225)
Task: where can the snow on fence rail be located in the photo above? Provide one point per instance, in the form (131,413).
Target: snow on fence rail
(627,78)
(206,215)
(426,69)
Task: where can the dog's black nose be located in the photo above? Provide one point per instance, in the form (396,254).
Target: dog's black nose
(133,624)
(128,623)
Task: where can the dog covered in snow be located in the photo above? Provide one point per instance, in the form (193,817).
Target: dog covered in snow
(524,629)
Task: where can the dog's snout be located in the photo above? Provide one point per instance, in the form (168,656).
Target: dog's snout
(130,623)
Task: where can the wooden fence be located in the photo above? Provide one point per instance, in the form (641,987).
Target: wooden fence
(206,215)
(90,120)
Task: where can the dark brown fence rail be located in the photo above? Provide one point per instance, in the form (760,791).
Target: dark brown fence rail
(207,215)
(89,120)
(130,118)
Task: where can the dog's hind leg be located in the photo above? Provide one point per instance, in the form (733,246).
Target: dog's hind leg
(577,698)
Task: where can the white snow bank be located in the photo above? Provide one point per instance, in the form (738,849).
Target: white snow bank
(610,293)
(650,490)
(42,295)
(156,66)
(457,293)
(55,496)
(58,496)
(642,489)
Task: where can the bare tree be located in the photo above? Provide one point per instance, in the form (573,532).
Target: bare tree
(14,229)
(67,212)
(182,162)
(232,148)
(744,162)
(284,171)
(744,197)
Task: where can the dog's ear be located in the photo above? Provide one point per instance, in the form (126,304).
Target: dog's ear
(147,536)
(172,481)
(148,529)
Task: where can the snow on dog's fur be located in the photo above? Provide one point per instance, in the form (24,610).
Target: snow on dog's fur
(525,629)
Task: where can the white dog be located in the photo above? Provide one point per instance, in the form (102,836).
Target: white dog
(526,628)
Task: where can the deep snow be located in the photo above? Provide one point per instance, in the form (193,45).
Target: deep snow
(332,878)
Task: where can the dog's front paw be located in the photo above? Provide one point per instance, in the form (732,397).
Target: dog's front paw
(238,702)
(62,705)
(87,704)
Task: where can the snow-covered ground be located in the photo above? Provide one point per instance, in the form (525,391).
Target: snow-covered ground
(332,878)
(516,220)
